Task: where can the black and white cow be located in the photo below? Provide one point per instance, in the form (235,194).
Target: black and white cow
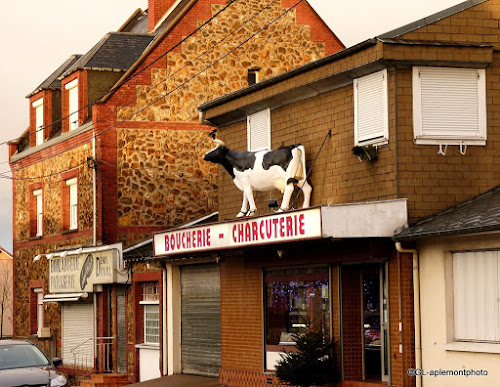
(262,171)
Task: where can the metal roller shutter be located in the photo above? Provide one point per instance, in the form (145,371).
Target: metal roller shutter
(200,337)
(78,331)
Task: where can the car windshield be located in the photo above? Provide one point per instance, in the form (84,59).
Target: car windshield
(20,356)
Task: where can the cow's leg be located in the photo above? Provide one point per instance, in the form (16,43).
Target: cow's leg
(287,195)
(244,207)
(247,191)
(306,190)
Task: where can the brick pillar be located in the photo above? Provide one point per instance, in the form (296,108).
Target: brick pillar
(156,9)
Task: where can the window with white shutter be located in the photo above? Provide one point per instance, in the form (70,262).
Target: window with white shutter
(259,130)
(476,291)
(38,105)
(39,211)
(449,105)
(73,203)
(72,88)
(371,122)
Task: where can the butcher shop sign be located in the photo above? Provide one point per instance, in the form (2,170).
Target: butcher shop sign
(79,272)
(251,231)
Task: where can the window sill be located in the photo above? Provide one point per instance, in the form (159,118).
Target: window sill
(34,238)
(449,141)
(69,231)
(472,347)
(148,346)
(376,142)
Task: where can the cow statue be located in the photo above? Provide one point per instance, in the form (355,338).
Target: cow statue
(265,170)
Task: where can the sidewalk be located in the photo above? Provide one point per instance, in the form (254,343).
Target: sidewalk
(180,380)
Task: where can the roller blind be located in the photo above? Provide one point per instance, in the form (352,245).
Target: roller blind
(259,130)
(449,103)
(371,123)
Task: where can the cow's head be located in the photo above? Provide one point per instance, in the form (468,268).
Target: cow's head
(217,154)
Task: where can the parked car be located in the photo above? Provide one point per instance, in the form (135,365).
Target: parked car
(24,364)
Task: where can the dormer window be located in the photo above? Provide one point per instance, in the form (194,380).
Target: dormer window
(38,106)
(253,77)
(72,88)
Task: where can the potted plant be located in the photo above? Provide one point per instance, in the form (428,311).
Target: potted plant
(313,365)
(366,152)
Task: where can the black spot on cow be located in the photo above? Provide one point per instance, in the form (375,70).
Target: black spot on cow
(281,157)
(241,161)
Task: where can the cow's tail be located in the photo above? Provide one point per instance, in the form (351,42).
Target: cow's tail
(301,173)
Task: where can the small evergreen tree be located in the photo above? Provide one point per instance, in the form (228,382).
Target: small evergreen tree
(314,364)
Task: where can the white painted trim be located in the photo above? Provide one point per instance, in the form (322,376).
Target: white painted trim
(38,102)
(167,14)
(149,302)
(472,347)
(71,181)
(72,84)
(37,192)
(173,319)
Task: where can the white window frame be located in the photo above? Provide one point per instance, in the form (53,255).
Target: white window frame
(151,302)
(38,106)
(371,109)
(259,122)
(73,107)
(39,211)
(39,309)
(476,302)
(474,130)
(73,203)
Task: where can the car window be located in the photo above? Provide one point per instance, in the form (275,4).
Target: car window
(20,356)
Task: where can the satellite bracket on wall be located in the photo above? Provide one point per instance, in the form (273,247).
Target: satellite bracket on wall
(442,149)
(463,148)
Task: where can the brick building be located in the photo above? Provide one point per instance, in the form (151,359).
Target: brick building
(395,128)
(112,154)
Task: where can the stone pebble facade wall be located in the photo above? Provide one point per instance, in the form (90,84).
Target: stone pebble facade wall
(162,178)
(280,47)
(47,172)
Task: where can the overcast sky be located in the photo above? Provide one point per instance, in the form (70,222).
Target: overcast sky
(37,36)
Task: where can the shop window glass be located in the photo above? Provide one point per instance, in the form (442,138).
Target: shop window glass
(297,300)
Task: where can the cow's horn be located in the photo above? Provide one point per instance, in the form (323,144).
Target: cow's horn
(219,142)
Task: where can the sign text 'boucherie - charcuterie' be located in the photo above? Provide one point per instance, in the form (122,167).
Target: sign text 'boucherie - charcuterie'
(282,227)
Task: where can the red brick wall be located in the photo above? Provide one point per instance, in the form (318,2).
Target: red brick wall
(83,111)
(65,197)
(156,9)
(401,282)
(33,304)
(47,96)
(241,315)
(352,335)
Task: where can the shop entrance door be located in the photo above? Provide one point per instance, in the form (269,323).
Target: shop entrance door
(365,322)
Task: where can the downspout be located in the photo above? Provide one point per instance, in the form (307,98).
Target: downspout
(164,322)
(416,309)
(94,194)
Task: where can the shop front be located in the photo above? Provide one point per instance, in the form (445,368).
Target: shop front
(333,270)
(86,283)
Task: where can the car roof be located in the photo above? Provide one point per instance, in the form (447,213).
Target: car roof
(14,342)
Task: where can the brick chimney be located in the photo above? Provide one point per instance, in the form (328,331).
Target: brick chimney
(156,9)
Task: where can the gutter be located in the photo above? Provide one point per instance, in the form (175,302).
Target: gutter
(416,309)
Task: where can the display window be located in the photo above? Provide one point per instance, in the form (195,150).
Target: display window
(296,300)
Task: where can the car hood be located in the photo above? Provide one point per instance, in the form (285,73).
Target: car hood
(32,376)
